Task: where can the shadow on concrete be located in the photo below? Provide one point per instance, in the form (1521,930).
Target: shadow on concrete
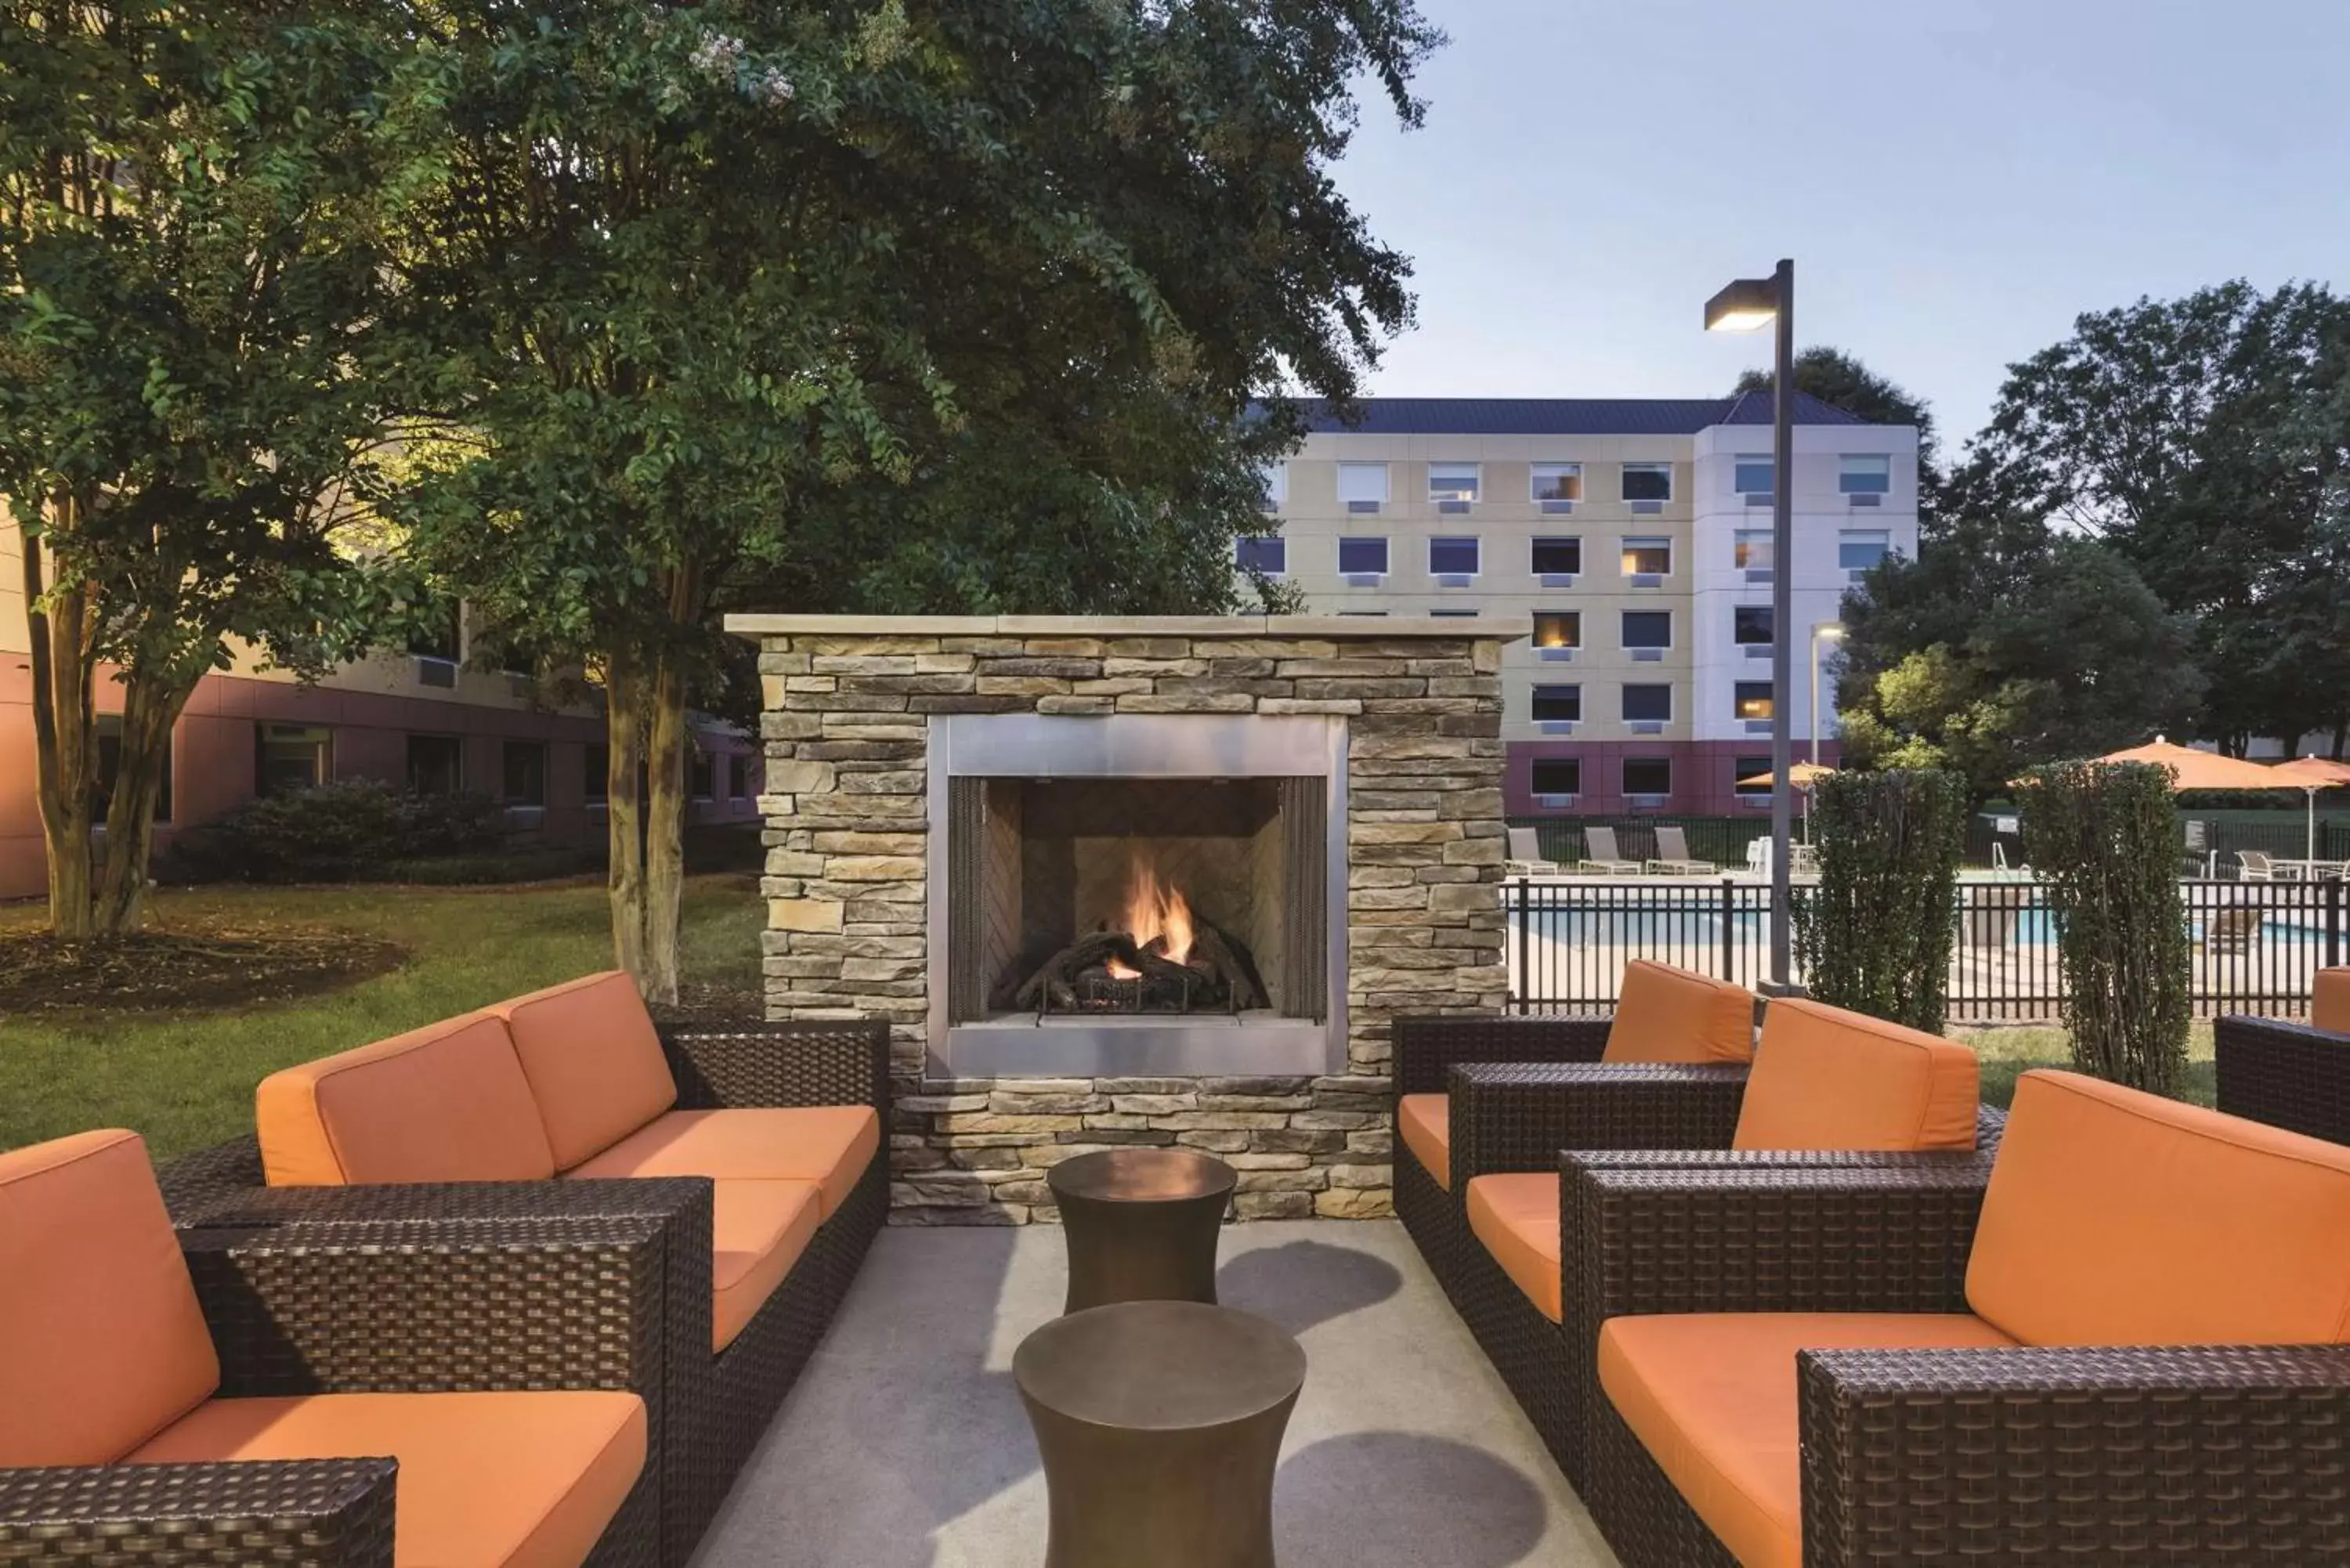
(1299,1284)
(1403,1501)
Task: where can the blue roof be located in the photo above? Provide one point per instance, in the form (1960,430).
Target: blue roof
(1565,415)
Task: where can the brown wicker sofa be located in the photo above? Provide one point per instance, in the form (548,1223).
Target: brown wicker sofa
(2123,1343)
(2290,1076)
(757,1148)
(147,1417)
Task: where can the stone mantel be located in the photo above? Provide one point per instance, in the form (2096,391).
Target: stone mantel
(848,701)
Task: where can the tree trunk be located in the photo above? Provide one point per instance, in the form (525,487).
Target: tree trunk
(65,730)
(624,813)
(665,831)
(151,709)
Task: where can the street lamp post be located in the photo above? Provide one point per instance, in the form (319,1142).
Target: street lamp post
(1822,632)
(1745,305)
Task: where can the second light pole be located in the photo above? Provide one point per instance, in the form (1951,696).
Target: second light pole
(1742,306)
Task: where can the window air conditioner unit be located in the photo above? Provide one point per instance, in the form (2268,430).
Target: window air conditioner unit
(1758,726)
(1453,508)
(1558,580)
(432,672)
(1648,655)
(1646,508)
(1557,509)
(1646,802)
(1647,726)
(1364,579)
(1648,580)
(1758,573)
(1855,575)
(1363,506)
(1758,651)
(1556,726)
(1455,580)
(1757,500)
(1556,655)
(1555,802)
(1865,500)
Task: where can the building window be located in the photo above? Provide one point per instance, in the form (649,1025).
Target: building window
(1557,776)
(1648,776)
(1556,481)
(1648,557)
(1380,613)
(526,773)
(1558,628)
(1558,704)
(1363,557)
(1858,474)
(436,764)
(1752,699)
(1558,557)
(701,775)
(1453,614)
(1647,704)
(1648,481)
(1647,628)
(1753,549)
(1269,554)
(1750,474)
(1751,625)
(596,788)
(1452,558)
(1455,482)
(110,764)
(1743,770)
(1857,549)
(1363,486)
(738,776)
(291,757)
(1276,487)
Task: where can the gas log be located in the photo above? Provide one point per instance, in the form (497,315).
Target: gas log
(1110,971)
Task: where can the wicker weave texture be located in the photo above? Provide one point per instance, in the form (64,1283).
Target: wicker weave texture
(1425,1048)
(789,1064)
(2289,1075)
(334,1513)
(1520,1116)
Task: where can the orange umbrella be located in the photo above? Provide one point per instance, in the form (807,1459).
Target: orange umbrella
(1804,775)
(2192,769)
(2312,774)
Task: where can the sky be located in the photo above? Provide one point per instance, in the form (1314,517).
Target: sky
(1956,180)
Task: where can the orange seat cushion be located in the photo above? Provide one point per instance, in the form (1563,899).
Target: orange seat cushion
(1711,1395)
(757,1231)
(1516,1217)
(593,1060)
(1424,1122)
(2329,1000)
(101,1344)
(1827,1078)
(1668,1014)
(828,1144)
(486,1481)
(444,1102)
(2120,1217)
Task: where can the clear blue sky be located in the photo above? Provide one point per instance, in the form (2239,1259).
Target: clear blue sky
(1956,179)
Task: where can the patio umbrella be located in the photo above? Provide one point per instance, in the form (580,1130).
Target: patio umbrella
(1802,775)
(2192,769)
(2313,773)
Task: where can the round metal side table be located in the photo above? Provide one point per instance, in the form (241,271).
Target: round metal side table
(1142,1224)
(1160,1423)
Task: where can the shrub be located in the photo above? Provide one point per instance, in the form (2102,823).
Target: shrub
(2103,839)
(334,833)
(1875,935)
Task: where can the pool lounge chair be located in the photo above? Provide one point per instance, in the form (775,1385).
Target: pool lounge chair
(2254,866)
(1602,858)
(1673,857)
(1527,858)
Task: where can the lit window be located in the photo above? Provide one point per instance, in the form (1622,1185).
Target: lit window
(1648,557)
(1857,549)
(1363,557)
(1648,481)
(1363,486)
(1751,476)
(1647,704)
(1741,769)
(1558,704)
(1648,776)
(1452,481)
(1558,557)
(1558,628)
(1754,699)
(1859,474)
(1751,625)
(1647,628)
(1452,558)
(1557,481)
(1557,776)
(1753,549)
(1269,554)
(1276,486)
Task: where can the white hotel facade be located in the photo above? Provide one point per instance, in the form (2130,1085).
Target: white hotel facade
(1637,535)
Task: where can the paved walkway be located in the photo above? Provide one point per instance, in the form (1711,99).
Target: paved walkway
(905,1446)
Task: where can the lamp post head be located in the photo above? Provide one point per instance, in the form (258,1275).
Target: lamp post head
(1746,306)
(1829,631)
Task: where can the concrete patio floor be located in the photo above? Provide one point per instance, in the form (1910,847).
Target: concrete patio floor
(904,1445)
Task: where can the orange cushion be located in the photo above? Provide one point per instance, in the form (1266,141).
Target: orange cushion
(1826,1078)
(1668,1014)
(101,1345)
(2329,1000)
(828,1144)
(444,1102)
(1516,1217)
(1424,1122)
(1711,1395)
(594,1062)
(757,1231)
(486,1481)
(2120,1217)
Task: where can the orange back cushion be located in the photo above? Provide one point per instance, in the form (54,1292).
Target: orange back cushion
(1668,1014)
(594,1062)
(101,1345)
(444,1102)
(2120,1217)
(2329,1002)
(1826,1078)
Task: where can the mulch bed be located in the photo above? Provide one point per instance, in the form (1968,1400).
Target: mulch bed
(172,971)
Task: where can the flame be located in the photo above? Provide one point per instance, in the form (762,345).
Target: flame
(1157,910)
(1118,970)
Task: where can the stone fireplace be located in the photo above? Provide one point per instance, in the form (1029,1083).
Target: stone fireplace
(1133,881)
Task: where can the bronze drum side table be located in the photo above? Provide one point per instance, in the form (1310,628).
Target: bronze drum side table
(1142,1224)
(1160,1423)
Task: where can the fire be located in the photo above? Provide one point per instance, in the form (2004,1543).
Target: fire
(1118,971)
(1157,910)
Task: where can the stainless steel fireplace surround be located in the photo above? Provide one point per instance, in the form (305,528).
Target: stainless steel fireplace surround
(1307,754)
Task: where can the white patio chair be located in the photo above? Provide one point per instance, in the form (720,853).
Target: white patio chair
(1673,857)
(2254,866)
(1526,857)
(1601,858)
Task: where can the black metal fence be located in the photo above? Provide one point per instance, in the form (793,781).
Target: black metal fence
(2256,946)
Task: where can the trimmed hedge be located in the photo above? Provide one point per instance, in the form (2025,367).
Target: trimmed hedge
(345,831)
(1874,934)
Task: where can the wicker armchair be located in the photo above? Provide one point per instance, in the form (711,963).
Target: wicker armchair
(2290,1075)
(717,1405)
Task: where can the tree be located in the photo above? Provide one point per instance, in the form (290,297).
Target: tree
(1838,379)
(705,288)
(188,196)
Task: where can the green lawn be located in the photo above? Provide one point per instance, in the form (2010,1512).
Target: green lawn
(2006,1053)
(187,1080)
